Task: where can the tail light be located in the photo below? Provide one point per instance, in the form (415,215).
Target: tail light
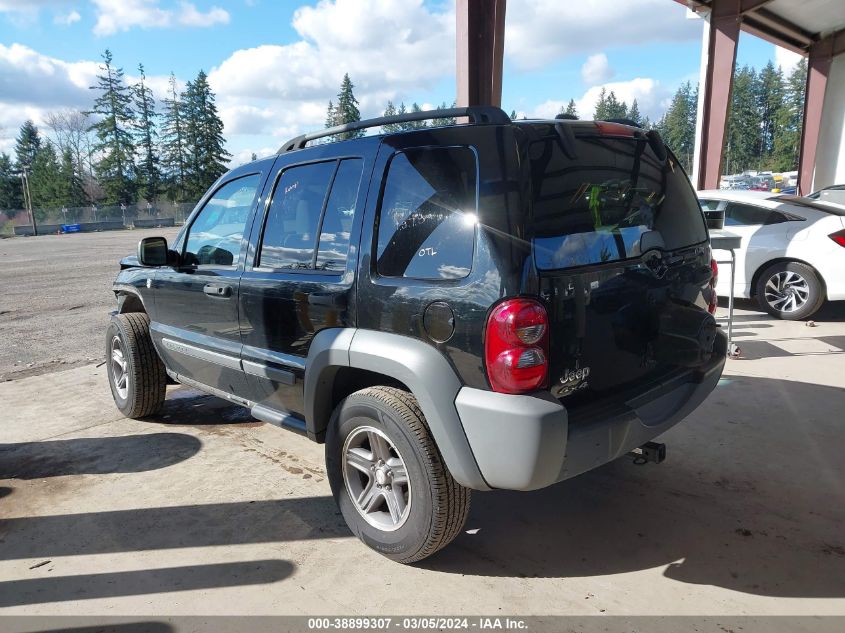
(838,237)
(516,346)
(714,278)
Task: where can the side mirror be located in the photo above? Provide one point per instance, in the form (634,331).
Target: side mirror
(152,251)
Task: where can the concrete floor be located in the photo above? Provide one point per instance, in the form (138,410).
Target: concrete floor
(206,511)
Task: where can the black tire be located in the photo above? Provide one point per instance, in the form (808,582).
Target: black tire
(803,280)
(143,391)
(438,506)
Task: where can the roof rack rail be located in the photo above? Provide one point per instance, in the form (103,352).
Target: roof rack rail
(477,114)
(624,122)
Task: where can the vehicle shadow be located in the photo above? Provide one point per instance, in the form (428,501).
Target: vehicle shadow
(141,582)
(831,311)
(95,455)
(744,501)
(185,406)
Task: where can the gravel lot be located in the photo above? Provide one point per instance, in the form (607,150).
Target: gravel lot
(56,297)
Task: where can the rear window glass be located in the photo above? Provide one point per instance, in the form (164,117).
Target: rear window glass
(428,214)
(596,205)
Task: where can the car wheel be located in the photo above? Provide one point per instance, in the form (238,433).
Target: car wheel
(388,478)
(789,290)
(136,374)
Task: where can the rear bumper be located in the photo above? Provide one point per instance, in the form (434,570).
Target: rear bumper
(531,441)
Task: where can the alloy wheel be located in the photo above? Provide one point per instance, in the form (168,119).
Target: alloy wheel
(119,368)
(787,291)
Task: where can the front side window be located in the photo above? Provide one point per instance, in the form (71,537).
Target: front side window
(290,231)
(216,233)
(427,216)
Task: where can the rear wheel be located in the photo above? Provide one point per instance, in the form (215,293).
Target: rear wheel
(136,374)
(388,478)
(789,290)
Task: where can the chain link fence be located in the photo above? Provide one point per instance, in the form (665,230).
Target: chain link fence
(94,218)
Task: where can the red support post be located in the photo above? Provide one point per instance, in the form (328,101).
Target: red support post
(480,48)
(818,69)
(725,20)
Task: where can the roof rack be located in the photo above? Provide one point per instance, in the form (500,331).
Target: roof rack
(477,114)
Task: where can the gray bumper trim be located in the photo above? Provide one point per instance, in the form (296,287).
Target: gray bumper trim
(527,442)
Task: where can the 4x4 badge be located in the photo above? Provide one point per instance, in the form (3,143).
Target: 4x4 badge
(573,380)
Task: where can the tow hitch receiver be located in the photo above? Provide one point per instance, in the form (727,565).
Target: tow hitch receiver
(654,452)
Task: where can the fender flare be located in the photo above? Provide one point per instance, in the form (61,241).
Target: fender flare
(421,367)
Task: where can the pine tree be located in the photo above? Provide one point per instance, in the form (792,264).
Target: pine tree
(513,115)
(615,109)
(634,113)
(450,120)
(70,192)
(677,127)
(347,109)
(149,172)
(204,136)
(45,180)
(600,113)
(789,119)
(115,169)
(770,95)
(26,146)
(571,109)
(10,187)
(743,137)
(253,157)
(390,110)
(416,125)
(174,159)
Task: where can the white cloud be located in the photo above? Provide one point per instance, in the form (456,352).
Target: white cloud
(66,19)
(596,69)
(538,32)
(115,16)
(786,59)
(395,48)
(649,93)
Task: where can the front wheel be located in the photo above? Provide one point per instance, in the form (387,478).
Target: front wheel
(136,374)
(388,478)
(790,291)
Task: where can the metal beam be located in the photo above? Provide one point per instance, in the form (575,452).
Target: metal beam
(480,49)
(818,70)
(718,82)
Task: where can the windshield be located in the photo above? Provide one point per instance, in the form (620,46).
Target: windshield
(596,205)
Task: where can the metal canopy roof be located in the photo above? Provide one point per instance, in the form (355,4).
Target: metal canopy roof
(793,24)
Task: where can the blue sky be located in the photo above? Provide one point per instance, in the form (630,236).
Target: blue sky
(274,64)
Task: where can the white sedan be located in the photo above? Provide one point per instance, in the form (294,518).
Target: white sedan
(792,255)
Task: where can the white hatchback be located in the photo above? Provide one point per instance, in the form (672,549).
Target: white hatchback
(792,255)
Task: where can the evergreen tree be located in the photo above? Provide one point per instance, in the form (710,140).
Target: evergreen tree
(770,95)
(790,115)
(174,158)
(115,169)
(571,110)
(450,120)
(615,109)
(149,172)
(416,125)
(513,115)
(10,186)
(26,146)
(600,113)
(347,109)
(45,180)
(253,157)
(743,137)
(204,137)
(634,113)
(390,110)
(70,191)
(677,127)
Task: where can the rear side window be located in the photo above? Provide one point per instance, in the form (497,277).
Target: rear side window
(337,220)
(595,204)
(749,215)
(428,215)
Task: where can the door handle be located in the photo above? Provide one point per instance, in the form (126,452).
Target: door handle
(217,290)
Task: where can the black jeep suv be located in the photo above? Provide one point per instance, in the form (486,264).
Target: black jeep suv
(492,304)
